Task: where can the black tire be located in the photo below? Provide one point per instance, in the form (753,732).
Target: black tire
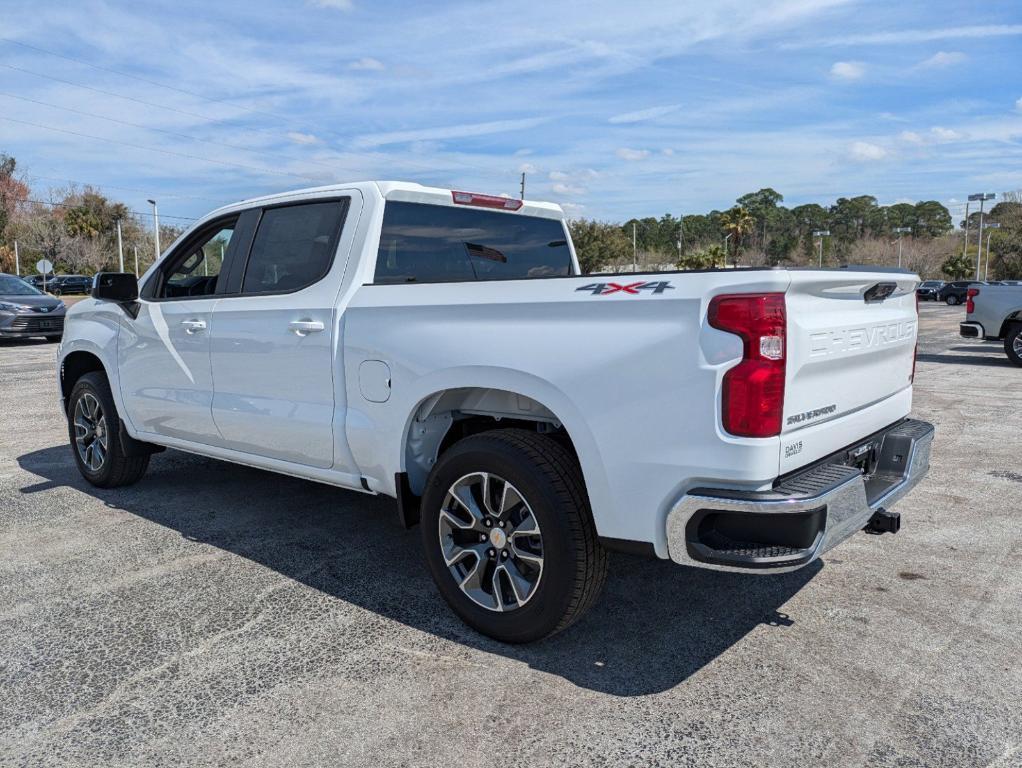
(952,300)
(116,469)
(1013,341)
(550,480)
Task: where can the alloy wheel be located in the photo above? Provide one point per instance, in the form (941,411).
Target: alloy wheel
(91,434)
(491,542)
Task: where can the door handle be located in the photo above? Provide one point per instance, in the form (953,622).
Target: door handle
(305,327)
(193,326)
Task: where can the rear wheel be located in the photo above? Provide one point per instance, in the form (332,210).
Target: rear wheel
(1013,344)
(952,300)
(94,429)
(509,537)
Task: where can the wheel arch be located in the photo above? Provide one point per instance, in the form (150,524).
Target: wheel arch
(75,365)
(443,415)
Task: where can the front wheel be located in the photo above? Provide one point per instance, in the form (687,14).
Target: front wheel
(952,300)
(94,428)
(509,537)
(1013,344)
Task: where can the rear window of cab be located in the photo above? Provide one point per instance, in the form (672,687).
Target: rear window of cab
(422,243)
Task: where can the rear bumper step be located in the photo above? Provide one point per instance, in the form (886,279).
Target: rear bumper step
(971,330)
(805,514)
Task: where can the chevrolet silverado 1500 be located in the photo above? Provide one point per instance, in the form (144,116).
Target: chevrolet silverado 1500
(443,348)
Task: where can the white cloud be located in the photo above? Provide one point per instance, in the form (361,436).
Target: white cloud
(302,138)
(899,37)
(573,210)
(946,134)
(558,176)
(645,114)
(368,64)
(447,132)
(340,5)
(911,137)
(568,189)
(669,152)
(867,152)
(632,154)
(942,59)
(848,70)
(1018,105)
(526,168)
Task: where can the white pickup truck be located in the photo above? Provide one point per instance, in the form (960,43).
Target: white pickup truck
(443,348)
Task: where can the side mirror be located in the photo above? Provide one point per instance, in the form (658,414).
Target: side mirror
(121,287)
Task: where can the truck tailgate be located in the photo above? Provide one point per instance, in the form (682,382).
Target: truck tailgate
(850,351)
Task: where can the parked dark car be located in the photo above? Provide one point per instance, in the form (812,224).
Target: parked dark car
(62,284)
(37,280)
(955,292)
(928,289)
(26,311)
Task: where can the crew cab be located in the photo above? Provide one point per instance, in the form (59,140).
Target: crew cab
(994,313)
(443,348)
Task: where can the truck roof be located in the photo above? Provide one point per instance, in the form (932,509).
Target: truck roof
(407,191)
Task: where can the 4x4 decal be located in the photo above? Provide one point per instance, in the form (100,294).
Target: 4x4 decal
(605,289)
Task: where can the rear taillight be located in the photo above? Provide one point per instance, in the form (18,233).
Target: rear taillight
(752,401)
(970,305)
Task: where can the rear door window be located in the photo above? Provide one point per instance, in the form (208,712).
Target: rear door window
(423,243)
(294,246)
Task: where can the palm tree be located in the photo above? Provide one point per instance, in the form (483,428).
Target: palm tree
(738,222)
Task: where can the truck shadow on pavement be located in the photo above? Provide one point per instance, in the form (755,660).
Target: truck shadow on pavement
(656,624)
(996,360)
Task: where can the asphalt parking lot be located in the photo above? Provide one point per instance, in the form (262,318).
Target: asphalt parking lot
(218,615)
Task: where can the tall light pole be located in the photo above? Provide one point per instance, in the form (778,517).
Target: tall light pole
(982,197)
(821,233)
(156,226)
(17,260)
(901,230)
(728,237)
(991,225)
(965,248)
(120,246)
(135,249)
(635,252)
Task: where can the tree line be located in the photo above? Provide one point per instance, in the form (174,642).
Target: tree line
(74,227)
(760,231)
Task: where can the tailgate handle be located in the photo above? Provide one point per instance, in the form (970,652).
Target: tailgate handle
(878,292)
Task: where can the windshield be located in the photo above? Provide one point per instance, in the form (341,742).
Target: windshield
(15,286)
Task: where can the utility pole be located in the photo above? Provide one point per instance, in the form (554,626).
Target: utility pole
(991,225)
(681,234)
(726,238)
(523,185)
(135,249)
(965,248)
(900,230)
(635,252)
(821,233)
(120,246)
(17,260)
(982,197)
(156,227)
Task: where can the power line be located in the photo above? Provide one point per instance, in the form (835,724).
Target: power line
(162,151)
(160,195)
(136,213)
(185,136)
(143,79)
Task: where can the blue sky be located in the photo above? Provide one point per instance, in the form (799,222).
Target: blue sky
(613,109)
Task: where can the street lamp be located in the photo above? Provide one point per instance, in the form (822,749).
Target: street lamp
(821,233)
(991,225)
(726,238)
(982,197)
(900,231)
(120,246)
(156,226)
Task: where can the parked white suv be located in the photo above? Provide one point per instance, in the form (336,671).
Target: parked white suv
(442,348)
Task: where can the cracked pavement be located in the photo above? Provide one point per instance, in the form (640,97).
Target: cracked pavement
(223,616)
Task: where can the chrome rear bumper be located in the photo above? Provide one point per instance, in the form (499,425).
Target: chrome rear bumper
(805,515)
